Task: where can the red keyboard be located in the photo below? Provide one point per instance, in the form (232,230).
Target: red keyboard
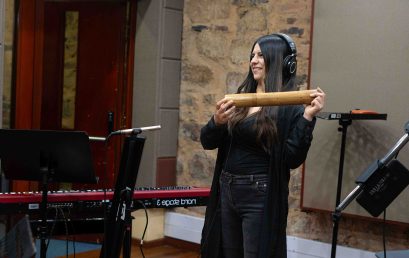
(85,211)
(167,197)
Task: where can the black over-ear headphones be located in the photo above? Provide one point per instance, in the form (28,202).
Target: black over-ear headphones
(290,61)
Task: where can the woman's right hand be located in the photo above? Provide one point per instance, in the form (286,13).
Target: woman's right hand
(224,111)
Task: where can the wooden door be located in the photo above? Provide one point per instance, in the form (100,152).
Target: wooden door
(86,74)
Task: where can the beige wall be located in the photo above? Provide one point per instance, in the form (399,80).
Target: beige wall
(217,36)
(362,73)
(157,82)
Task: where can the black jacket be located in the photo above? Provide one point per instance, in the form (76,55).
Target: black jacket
(295,136)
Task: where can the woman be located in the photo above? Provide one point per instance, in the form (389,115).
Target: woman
(257,146)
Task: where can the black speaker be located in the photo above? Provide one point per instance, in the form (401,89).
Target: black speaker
(382,187)
(290,61)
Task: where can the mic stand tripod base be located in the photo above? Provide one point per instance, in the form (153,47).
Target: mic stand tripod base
(128,235)
(336,217)
(126,252)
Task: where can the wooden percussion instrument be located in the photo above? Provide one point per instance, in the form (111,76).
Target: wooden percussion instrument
(271,98)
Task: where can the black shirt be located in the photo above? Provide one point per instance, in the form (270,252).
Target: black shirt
(246,155)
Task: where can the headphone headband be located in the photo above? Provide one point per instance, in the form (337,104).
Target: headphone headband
(289,41)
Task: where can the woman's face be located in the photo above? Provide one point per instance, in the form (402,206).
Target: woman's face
(257,64)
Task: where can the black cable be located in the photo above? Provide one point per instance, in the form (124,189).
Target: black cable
(146,226)
(57,210)
(383,234)
(66,230)
(52,228)
(73,231)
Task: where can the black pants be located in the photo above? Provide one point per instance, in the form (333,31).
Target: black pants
(242,205)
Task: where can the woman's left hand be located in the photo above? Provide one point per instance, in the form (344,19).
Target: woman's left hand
(316,105)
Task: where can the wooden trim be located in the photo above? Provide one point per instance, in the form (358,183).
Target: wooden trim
(27,97)
(24,68)
(302,185)
(182,244)
(311,37)
(308,87)
(168,241)
(38,63)
(152,243)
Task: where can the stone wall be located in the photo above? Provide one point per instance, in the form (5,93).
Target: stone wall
(217,37)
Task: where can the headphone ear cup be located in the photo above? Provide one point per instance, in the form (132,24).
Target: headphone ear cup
(290,65)
(290,61)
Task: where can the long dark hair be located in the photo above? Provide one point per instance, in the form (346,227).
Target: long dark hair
(274,50)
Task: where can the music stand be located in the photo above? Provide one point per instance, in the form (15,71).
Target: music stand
(344,120)
(46,156)
(380,172)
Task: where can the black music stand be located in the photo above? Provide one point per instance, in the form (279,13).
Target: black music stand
(118,231)
(46,156)
(344,120)
(387,172)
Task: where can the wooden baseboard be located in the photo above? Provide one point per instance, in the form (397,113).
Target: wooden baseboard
(182,244)
(151,243)
(168,241)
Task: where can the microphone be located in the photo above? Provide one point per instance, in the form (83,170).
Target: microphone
(137,130)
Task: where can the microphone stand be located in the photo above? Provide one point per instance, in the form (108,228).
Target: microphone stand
(344,123)
(378,164)
(118,233)
(344,120)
